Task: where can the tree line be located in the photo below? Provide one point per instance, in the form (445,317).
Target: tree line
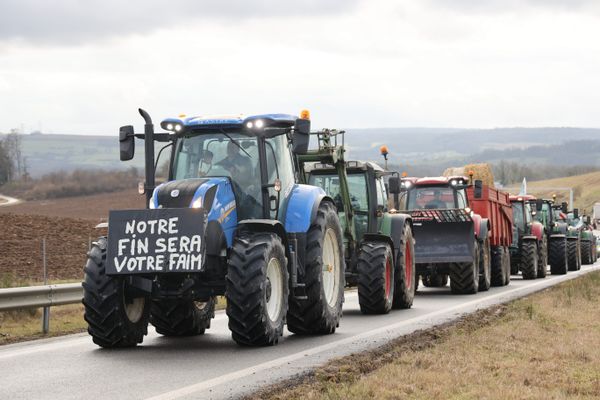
(13,165)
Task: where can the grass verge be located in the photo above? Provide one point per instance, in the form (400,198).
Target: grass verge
(545,346)
(23,325)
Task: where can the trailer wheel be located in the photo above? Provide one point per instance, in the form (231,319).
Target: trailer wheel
(182,318)
(498,267)
(116,316)
(485,273)
(557,255)
(586,252)
(507,265)
(574,255)
(464,277)
(407,280)
(543,258)
(323,276)
(435,280)
(529,259)
(257,288)
(375,278)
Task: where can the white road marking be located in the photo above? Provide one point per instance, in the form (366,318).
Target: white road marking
(205,385)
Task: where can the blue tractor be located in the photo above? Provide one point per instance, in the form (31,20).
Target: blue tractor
(231,220)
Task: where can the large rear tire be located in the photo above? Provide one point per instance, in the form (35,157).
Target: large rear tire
(557,255)
(543,258)
(529,259)
(464,277)
(182,318)
(507,265)
(407,280)
(586,252)
(321,311)
(498,267)
(574,255)
(117,316)
(435,280)
(257,289)
(375,278)
(485,267)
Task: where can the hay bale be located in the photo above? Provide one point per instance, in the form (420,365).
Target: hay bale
(481,171)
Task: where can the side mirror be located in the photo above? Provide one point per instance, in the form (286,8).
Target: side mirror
(588,220)
(301,136)
(478,189)
(126,142)
(576,213)
(564,208)
(394,184)
(539,204)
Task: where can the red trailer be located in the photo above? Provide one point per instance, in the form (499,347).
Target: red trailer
(495,206)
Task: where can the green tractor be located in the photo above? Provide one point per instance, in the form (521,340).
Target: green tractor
(556,235)
(573,240)
(582,223)
(378,243)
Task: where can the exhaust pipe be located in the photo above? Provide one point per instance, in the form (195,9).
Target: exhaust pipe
(150,183)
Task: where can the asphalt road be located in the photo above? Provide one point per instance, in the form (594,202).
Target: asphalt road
(213,366)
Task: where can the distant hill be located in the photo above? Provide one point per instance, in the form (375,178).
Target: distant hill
(423,149)
(586,189)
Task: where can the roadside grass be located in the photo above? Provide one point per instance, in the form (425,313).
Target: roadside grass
(23,325)
(544,346)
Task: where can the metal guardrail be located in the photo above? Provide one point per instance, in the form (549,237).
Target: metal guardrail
(40,296)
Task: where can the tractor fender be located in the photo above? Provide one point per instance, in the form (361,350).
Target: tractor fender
(477,224)
(303,203)
(484,229)
(530,238)
(537,230)
(265,225)
(391,231)
(557,236)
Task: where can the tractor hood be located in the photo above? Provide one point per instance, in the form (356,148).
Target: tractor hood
(184,193)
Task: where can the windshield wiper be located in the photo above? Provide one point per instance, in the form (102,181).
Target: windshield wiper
(236,143)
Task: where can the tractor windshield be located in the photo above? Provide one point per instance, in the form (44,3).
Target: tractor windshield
(545,215)
(437,197)
(218,155)
(518,215)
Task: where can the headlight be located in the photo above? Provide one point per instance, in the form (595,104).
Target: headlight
(467,210)
(197,203)
(151,204)
(453,182)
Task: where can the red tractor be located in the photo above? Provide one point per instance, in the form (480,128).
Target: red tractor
(451,239)
(529,249)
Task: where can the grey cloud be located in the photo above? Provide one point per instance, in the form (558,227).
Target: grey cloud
(78,21)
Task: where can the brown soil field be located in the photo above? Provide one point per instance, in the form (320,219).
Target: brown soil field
(94,207)
(21,238)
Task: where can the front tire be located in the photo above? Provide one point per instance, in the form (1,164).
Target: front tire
(257,289)
(116,315)
(182,318)
(485,276)
(529,259)
(586,252)
(543,258)
(375,278)
(464,277)
(324,275)
(574,255)
(557,254)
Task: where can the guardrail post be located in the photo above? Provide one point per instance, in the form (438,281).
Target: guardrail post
(46,311)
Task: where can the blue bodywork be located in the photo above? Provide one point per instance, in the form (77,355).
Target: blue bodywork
(208,122)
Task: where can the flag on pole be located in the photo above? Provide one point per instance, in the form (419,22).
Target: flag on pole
(523,186)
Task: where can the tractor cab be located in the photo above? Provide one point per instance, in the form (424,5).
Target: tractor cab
(523,214)
(439,193)
(368,193)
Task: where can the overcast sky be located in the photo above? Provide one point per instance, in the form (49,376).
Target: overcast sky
(76,66)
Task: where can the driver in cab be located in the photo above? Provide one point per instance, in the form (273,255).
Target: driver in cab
(238,165)
(437,202)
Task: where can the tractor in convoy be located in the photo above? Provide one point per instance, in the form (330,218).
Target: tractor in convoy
(378,243)
(529,249)
(452,240)
(231,220)
(583,225)
(494,205)
(556,235)
(574,239)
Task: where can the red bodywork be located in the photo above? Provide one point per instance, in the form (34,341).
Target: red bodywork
(537,228)
(495,206)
